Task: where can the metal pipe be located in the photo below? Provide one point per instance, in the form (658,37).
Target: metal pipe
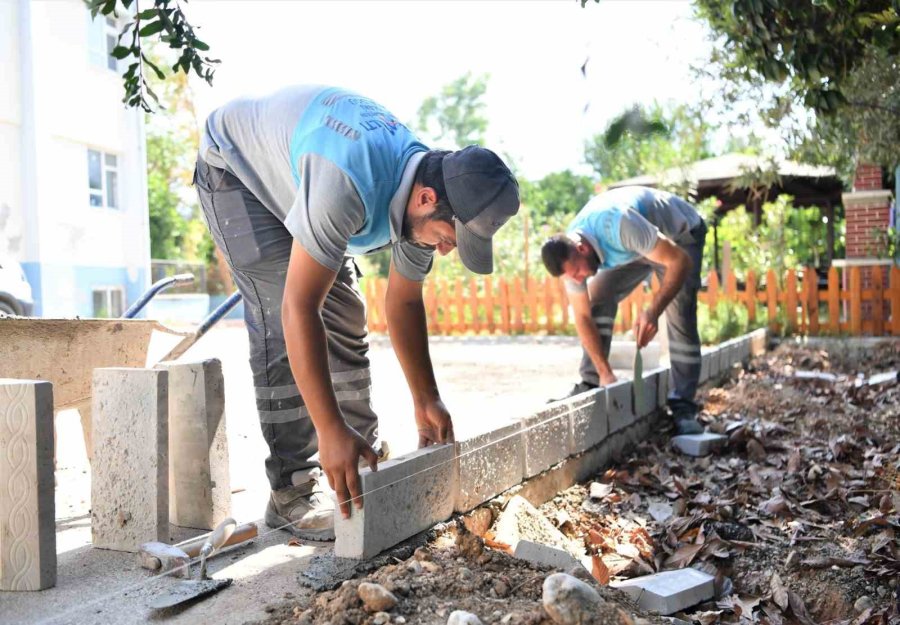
(159,285)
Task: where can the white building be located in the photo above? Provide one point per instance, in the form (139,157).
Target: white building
(73,191)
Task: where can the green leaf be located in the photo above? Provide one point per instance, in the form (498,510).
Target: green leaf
(152,28)
(148,14)
(120,52)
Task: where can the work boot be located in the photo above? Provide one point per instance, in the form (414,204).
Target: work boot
(577,389)
(684,416)
(305,510)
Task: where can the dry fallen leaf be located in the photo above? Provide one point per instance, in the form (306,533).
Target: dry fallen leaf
(755,450)
(794,462)
(599,570)
(779,592)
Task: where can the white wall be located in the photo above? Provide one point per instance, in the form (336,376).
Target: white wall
(12,222)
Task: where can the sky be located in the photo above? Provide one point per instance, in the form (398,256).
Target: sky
(399,52)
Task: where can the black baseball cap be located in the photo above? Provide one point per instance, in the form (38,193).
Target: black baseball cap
(483,194)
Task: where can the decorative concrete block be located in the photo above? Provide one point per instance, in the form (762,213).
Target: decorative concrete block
(27,510)
(588,424)
(130,470)
(715,367)
(758,341)
(199,481)
(698,444)
(405,496)
(546,436)
(489,463)
(646,401)
(744,350)
(619,408)
(670,591)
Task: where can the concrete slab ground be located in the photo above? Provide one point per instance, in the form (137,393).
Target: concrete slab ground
(482,380)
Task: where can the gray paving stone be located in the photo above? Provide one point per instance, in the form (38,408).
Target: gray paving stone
(705,364)
(588,423)
(405,496)
(670,591)
(130,469)
(27,510)
(489,463)
(698,444)
(546,436)
(199,481)
(619,407)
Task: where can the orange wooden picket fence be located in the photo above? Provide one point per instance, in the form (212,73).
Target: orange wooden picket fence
(503,306)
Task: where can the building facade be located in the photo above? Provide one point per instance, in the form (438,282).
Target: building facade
(73,192)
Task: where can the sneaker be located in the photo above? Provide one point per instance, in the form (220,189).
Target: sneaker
(684,415)
(306,511)
(577,389)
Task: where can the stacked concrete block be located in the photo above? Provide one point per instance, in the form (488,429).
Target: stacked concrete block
(27,511)
(619,407)
(670,591)
(546,437)
(715,368)
(744,349)
(199,482)
(646,401)
(405,496)
(662,390)
(130,470)
(488,464)
(588,424)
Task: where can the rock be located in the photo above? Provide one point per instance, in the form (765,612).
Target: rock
(863,603)
(464,574)
(569,601)
(430,567)
(400,620)
(415,567)
(381,618)
(479,520)
(461,617)
(661,512)
(599,491)
(376,598)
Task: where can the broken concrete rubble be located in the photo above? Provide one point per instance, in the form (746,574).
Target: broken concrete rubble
(522,521)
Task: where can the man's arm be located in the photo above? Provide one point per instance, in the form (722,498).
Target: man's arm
(340,446)
(590,335)
(405,311)
(677,264)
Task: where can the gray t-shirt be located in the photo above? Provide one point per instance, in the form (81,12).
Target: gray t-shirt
(250,138)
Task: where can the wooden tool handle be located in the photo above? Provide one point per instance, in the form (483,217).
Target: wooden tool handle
(240,534)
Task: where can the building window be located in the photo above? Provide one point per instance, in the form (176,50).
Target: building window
(102,38)
(103,179)
(108,302)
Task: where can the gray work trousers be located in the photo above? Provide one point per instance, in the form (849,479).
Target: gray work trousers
(610,286)
(257,247)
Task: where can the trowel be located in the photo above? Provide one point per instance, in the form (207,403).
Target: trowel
(638,381)
(195,588)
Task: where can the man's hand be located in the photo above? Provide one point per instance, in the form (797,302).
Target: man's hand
(339,453)
(645,328)
(434,423)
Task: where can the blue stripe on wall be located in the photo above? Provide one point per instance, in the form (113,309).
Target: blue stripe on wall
(67,290)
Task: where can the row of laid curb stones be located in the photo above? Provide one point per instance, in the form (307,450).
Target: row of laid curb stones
(141,479)
(416,491)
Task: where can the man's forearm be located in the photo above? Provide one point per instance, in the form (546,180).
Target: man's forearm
(673,278)
(307,348)
(591,341)
(409,335)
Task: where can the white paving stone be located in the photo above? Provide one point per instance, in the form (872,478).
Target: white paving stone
(619,406)
(670,591)
(588,423)
(27,511)
(130,469)
(698,444)
(544,554)
(405,496)
(489,463)
(199,482)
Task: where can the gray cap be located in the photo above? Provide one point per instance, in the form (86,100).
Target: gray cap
(484,195)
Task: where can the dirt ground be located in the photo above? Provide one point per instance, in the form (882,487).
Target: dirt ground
(797,517)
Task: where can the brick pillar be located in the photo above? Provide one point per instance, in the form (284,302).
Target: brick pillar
(867,212)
